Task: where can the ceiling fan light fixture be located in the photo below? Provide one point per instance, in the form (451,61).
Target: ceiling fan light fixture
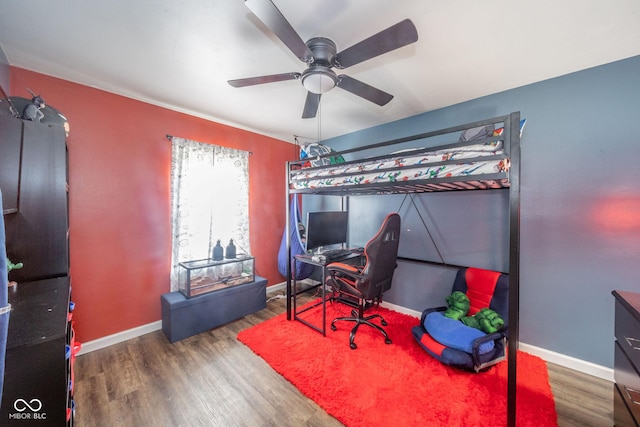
(319,79)
(321,56)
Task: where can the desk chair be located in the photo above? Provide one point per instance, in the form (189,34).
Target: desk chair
(362,287)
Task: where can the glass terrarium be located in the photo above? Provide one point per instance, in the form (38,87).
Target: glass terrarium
(206,275)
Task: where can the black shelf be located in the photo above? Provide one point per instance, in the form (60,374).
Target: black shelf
(37,371)
(38,312)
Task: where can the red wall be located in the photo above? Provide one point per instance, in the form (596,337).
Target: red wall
(119,179)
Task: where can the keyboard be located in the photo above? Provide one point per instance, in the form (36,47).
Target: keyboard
(336,253)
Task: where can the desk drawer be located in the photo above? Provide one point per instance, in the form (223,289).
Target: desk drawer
(628,334)
(627,381)
(621,415)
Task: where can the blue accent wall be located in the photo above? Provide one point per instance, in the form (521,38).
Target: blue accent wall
(580,208)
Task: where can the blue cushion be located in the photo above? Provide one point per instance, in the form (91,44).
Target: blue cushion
(453,333)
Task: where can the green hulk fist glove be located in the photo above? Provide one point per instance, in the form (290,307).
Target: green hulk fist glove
(458,304)
(489,320)
(471,321)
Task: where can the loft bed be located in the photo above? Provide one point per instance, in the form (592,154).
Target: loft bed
(480,159)
(475,156)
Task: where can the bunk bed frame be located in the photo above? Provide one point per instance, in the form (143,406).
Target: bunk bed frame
(332,180)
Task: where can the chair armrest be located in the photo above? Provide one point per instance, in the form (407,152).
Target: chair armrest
(430,310)
(346,269)
(345,276)
(475,345)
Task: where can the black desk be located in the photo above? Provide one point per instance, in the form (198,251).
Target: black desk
(355,258)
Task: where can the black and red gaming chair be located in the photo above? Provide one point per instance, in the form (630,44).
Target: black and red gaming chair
(361,287)
(455,344)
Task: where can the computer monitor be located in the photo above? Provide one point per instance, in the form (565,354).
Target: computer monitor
(326,228)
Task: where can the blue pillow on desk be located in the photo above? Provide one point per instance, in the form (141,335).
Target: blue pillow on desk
(453,333)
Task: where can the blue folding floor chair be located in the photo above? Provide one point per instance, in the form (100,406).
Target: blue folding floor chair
(456,344)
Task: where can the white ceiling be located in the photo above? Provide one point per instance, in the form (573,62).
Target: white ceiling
(180,53)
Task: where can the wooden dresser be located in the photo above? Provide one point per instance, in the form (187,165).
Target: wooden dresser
(626,399)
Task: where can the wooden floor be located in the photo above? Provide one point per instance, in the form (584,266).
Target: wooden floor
(214,380)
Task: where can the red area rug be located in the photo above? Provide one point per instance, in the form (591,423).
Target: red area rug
(397,384)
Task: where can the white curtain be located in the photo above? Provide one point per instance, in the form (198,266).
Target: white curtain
(209,201)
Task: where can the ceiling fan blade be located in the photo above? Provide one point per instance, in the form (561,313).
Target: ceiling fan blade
(363,90)
(250,81)
(269,14)
(311,105)
(394,37)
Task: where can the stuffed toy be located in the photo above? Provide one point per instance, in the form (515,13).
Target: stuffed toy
(458,304)
(486,320)
(12,266)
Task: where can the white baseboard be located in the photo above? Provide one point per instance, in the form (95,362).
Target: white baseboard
(569,362)
(546,355)
(278,287)
(119,337)
(400,309)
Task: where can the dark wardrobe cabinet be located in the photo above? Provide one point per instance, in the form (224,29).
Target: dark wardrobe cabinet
(38,384)
(37,232)
(10,148)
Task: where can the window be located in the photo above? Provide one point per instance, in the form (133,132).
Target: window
(209,200)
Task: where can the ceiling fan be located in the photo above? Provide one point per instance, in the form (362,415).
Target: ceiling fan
(321,56)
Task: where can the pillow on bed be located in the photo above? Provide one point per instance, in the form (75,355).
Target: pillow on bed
(453,333)
(476,133)
(500,131)
(313,149)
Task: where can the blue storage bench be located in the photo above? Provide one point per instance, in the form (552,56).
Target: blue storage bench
(183,317)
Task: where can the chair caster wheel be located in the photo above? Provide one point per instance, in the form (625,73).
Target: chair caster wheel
(387,341)
(384,323)
(333,327)
(353,346)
